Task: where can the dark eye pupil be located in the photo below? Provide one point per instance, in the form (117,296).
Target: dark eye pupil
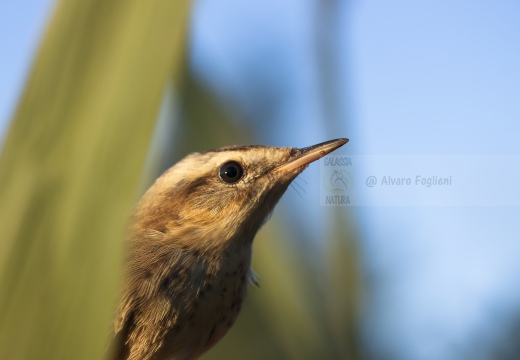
(231,172)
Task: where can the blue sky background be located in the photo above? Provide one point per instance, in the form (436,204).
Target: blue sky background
(21,26)
(413,78)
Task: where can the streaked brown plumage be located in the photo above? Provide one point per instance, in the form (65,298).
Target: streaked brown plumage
(189,247)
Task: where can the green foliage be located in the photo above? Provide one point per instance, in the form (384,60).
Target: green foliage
(70,169)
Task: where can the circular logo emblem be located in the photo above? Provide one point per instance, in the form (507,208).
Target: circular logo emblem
(337,181)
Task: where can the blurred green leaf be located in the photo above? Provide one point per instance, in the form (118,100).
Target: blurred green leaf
(70,169)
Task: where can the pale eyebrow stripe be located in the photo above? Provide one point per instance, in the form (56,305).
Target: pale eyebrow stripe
(235,148)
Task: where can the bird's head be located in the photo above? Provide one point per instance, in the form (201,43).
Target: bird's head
(223,195)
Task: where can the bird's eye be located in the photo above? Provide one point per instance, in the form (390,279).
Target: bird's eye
(231,172)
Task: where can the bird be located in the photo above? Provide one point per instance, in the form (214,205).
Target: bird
(189,247)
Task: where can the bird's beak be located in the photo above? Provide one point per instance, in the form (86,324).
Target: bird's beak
(311,154)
